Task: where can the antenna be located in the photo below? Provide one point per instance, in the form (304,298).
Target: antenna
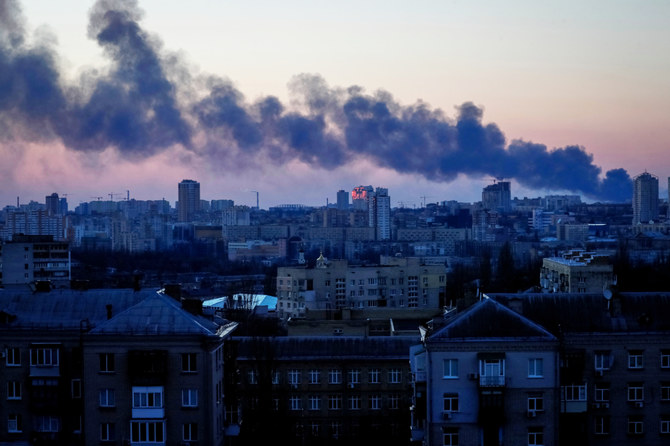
(256,192)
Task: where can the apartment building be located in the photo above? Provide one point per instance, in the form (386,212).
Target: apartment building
(33,258)
(577,271)
(109,367)
(544,369)
(334,284)
(323,390)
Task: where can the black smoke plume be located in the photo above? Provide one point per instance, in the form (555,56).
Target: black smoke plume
(135,107)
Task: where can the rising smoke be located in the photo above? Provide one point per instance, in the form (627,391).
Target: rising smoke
(136,108)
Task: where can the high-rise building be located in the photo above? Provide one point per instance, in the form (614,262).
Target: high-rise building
(52,204)
(342,200)
(497,197)
(360,197)
(189,200)
(379,208)
(645,198)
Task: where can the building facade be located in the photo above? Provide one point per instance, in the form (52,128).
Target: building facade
(189,200)
(645,198)
(577,271)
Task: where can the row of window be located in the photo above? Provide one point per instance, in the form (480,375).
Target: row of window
(450,402)
(634,391)
(335,402)
(335,376)
(605,359)
(148,431)
(450,436)
(50,357)
(41,423)
(148,397)
(492,368)
(635,425)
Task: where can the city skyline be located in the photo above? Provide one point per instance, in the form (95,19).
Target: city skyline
(499,87)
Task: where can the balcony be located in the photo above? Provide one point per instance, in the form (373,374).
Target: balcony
(491,380)
(573,398)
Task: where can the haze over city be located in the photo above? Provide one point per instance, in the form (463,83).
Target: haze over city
(297,100)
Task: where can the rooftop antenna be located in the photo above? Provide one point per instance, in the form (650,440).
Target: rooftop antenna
(256,192)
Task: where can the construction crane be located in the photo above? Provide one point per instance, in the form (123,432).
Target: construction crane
(97,198)
(423,197)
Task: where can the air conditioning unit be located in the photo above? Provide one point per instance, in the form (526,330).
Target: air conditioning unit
(596,405)
(639,404)
(599,372)
(473,376)
(352,385)
(606,405)
(531,414)
(446,415)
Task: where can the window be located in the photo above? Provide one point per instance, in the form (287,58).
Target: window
(47,423)
(106,398)
(189,397)
(188,363)
(665,391)
(665,359)
(450,402)
(602,425)
(251,377)
(535,368)
(275,377)
(535,436)
(355,402)
(44,356)
(602,392)
(373,376)
(603,360)
(354,376)
(450,367)
(636,359)
(14,423)
(664,428)
(450,436)
(13,390)
(635,392)
(335,402)
(535,402)
(314,376)
(294,377)
(76,388)
(375,402)
(314,429)
(335,376)
(147,431)
(189,432)
(107,432)
(314,402)
(106,362)
(12,357)
(335,429)
(394,401)
(395,376)
(148,397)
(295,402)
(635,425)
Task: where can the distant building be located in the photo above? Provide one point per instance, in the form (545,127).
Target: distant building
(35,258)
(53,204)
(360,197)
(379,208)
(189,200)
(342,200)
(576,271)
(497,197)
(329,285)
(645,198)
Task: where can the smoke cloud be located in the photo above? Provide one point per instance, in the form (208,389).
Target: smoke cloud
(137,107)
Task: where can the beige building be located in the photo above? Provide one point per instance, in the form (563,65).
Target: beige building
(576,271)
(329,285)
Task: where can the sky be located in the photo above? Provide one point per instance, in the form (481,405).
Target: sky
(299,99)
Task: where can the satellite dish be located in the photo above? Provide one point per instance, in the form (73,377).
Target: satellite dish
(607,293)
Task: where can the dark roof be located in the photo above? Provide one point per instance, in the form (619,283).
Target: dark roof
(592,313)
(156,315)
(64,309)
(328,347)
(486,320)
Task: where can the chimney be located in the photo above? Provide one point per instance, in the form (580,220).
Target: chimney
(109,311)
